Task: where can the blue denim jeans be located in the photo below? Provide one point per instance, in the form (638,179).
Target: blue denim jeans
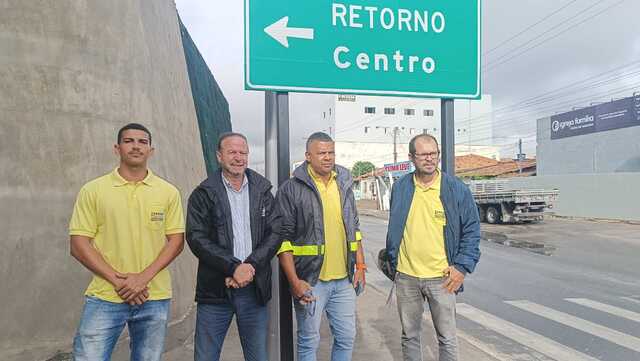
(338,299)
(102,323)
(213,320)
(412,293)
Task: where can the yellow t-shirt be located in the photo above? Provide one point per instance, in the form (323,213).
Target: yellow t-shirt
(334,266)
(422,252)
(128,223)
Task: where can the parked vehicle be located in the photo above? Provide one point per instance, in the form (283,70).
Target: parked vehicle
(497,202)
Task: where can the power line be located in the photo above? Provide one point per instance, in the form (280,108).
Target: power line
(593,84)
(560,24)
(567,103)
(521,107)
(593,97)
(568,86)
(536,99)
(529,27)
(493,65)
(622,90)
(524,114)
(561,103)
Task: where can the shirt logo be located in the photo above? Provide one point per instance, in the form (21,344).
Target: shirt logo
(439,215)
(157,216)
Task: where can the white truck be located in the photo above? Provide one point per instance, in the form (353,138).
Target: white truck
(497,202)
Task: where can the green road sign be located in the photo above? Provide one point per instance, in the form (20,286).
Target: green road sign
(424,48)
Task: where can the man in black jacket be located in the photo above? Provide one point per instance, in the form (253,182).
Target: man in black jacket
(321,253)
(229,228)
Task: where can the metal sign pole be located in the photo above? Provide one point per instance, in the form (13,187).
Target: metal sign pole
(447,136)
(280,342)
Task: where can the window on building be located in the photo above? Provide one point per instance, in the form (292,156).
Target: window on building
(369,110)
(409,112)
(389,111)
(428,112)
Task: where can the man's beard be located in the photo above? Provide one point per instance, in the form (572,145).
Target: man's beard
(426,172)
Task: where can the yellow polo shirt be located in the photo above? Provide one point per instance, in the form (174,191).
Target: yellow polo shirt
(128,223)
(334,266)
(422,252)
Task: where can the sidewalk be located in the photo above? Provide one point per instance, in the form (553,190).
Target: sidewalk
(367,207)
(378,336)
(378,327)
(373,213)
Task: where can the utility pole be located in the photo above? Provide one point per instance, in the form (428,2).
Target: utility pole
(396,131)
(395,144)
(520,156)
(519,147)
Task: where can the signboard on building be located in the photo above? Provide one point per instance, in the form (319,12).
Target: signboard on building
(346,98)
(618,114)
(423,48)
(399,169)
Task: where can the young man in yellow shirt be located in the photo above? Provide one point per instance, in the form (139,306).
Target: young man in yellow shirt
(127,227)
(321,254)
(432,243)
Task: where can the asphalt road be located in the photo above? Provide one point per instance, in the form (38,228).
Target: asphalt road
(582,302)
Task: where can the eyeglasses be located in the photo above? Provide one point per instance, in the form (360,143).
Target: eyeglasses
(432,155)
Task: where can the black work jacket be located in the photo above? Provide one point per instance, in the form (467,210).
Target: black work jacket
(301,226)
(210,236)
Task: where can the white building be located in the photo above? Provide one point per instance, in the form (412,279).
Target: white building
(365,127)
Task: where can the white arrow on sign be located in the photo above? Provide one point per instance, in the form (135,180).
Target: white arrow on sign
(281,32)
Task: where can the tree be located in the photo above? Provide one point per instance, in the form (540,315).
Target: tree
(362,167)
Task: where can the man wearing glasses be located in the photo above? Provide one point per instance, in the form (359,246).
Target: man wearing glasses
(432,243)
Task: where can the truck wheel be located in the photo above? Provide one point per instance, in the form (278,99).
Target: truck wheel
(483,214)
(493,215)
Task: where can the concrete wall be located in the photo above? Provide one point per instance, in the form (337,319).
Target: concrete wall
(609,196)
(71,74)
(604,152)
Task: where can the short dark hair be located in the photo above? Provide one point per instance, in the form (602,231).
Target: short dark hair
(226,135)
(318,136)
(134,126)
(412,142)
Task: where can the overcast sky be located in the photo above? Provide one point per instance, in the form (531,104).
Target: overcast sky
(540,57)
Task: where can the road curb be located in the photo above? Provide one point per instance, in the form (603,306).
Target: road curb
(597,220)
